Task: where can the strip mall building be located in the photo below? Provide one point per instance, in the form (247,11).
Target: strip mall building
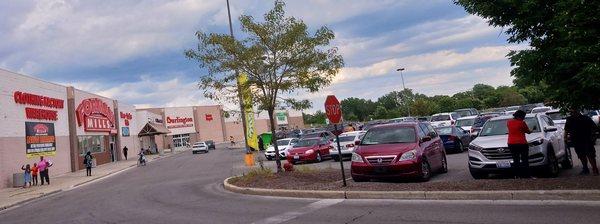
(41,118)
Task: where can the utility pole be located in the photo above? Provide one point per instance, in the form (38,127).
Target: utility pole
(239,90)
(403,86)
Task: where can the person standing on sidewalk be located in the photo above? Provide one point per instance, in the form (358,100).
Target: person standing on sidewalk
(26,175)
(580,130)
(125,149)
(34,174)
(43,167)
(517,144)
(87,160)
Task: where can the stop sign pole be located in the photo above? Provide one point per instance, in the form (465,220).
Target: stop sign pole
(333,110)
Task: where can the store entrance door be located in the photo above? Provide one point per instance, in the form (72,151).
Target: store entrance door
(181,141)
(113,156)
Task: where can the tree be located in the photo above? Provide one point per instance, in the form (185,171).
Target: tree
(564,42)
(317,118)
(356,108)
(279,56)
(423,107)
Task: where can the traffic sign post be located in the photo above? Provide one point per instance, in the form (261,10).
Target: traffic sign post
(333,110)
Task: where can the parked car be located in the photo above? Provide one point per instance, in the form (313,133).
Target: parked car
(489,152)
(402,119)
(455,139)
(320,134)
(399,150)
(512,108)
(210,144)
(558,117)
(479,122)
(465,122)
(467,112)
(510,112)
(309,150)
(594,114)
(199,147)
(283,145)
(540,110)
(444,119)
(347,141)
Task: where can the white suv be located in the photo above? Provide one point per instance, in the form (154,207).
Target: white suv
(347,140)
(283,145)
(443,119)
(199,147)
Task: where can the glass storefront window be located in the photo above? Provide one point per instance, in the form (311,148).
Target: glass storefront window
(182,140)
(92,143)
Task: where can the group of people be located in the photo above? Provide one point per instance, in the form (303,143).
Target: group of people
(31,173)
(579,130)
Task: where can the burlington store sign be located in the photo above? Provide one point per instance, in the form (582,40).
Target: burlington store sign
(95,115)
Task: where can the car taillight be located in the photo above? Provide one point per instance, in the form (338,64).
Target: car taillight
(350,145)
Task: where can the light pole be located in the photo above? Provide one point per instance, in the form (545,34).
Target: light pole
(240,97)
(404,87)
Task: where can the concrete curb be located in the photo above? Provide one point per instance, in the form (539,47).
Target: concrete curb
(579,195)
(30,200)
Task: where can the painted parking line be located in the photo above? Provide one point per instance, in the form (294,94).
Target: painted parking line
(304,210)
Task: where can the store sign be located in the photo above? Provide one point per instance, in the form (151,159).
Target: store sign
(95,115)
(126,116)
(208,117)
(281,116)
(39,139)
(180,122)
(125,131)
(38,100)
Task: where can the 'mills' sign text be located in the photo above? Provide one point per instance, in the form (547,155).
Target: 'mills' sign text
(95,115)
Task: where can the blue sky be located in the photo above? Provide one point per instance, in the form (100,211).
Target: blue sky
(133,50)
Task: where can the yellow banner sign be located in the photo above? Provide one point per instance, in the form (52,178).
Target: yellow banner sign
(251,135)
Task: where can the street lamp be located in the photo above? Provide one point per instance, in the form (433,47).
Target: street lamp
(404,87)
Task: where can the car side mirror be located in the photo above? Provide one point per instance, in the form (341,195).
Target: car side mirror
(357,142)
(426,138)
(550,129)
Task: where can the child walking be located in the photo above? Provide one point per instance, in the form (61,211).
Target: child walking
(34,174)
(27,175)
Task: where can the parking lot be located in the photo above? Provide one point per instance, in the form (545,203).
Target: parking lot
(457,167)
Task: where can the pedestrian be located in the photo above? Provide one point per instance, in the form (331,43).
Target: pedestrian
(580,130)
(26,175)
(87,161)
(517,144)
(34,174)
(232,140)
(125,149)
(43,167)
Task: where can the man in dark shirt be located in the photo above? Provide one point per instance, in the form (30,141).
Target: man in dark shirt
(580,130)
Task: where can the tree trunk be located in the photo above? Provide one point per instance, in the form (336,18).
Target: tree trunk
(274,139)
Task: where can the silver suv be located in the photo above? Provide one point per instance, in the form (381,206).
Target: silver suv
(489,152)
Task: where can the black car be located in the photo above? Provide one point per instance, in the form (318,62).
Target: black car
(210,144)
(455,139)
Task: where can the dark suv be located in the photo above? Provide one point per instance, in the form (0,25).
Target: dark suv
(399,150)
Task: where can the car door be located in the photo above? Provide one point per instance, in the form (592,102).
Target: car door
(428,147)
(437,147)
(555,137)
(325,147)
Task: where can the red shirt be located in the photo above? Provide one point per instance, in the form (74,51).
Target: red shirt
(516,131)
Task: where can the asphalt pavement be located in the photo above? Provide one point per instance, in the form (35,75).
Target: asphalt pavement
(186,188)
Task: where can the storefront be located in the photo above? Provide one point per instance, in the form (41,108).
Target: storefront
(181,123)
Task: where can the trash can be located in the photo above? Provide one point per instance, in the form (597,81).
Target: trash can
(266,137)
(18,180)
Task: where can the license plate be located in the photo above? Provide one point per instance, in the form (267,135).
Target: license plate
(296,157)
(503,164)
(381,170)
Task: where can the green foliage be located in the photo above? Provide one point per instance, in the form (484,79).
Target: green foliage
(318,118)
(564,54)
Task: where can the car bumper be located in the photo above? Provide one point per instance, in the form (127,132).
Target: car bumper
(271,155)
(477,161)
(302,157)
(406,169)
(200,150)
(345,152)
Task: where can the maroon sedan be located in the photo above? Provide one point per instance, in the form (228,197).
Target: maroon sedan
(309,150)
(400,150)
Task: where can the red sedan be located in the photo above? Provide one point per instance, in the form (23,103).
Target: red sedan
(308,150)
(400,150)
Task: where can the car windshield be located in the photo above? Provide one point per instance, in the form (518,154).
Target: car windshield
(440,118)
(556,116)
(540,110)
(283,142)
(444,131)
(306,142)
(464,113)
(389,136)
(347,138)
(465,122)
(498,127)
(480,121)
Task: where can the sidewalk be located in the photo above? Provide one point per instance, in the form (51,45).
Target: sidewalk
(13,196)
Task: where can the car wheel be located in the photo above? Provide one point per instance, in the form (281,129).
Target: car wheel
(567,162)
(319,158)
(444,168)
(425,170)
(360,179)
(552,166)
(477,174)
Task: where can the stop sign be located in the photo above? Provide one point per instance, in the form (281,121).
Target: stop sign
(333,109)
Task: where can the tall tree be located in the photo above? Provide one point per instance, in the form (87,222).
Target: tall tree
(279,56)
(564,44)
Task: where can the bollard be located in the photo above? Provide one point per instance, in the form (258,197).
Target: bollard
(249,159)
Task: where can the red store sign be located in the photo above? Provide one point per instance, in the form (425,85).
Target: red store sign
(126,116)
(208,117)
(38,100)
(180,122)
(95,115)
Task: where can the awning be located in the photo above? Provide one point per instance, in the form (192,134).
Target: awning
(152,128)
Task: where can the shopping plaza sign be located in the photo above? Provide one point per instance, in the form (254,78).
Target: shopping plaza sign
(95,115)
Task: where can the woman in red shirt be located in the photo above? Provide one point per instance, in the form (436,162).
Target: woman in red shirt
(517,144)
